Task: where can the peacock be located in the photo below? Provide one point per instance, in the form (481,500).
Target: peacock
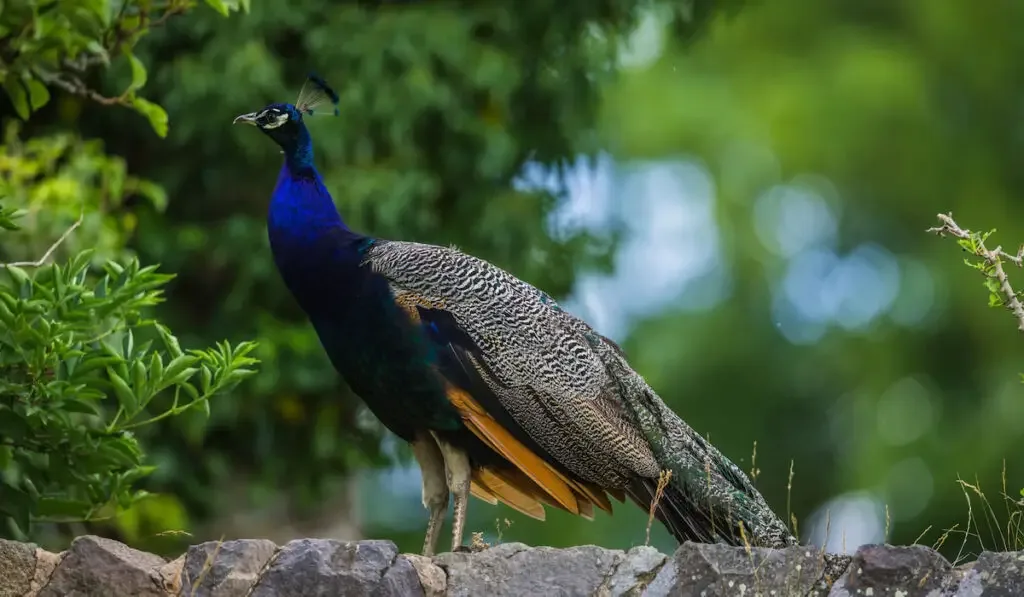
(500,392)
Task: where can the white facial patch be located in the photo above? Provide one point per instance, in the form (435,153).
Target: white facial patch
(272,118)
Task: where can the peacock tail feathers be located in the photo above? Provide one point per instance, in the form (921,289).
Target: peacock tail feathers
(708,497)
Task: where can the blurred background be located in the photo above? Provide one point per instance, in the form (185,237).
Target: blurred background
(736,192)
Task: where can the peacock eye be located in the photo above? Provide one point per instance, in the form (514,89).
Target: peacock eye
(272,118)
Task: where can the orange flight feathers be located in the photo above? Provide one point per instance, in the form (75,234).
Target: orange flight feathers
(501,441)
(498,484)
(534,481)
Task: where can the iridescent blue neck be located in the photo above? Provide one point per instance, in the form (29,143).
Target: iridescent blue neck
(298,149)
(300,201)
(301,207)
(306,231)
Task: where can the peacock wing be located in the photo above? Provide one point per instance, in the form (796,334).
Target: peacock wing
(531,387)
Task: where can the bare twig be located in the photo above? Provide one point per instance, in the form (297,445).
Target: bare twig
(993,258)
(49,252)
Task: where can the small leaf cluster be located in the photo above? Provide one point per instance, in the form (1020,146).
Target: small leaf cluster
(81,367)
(975,245)
(45,44)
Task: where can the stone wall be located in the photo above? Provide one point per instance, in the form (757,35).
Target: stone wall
(93,566)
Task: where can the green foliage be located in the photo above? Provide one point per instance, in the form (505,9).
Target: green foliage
(7,217)
(76,378)
(59,181)
(84,367)
(49,44)
(975,245)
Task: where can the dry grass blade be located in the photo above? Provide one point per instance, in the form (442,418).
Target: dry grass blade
(207,566)
(663,480)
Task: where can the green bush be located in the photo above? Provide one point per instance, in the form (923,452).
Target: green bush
(82,361)
(78,372)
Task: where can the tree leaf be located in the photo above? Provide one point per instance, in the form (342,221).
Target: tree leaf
(205,377)
(76,405)
(18,276)
(19,98)
(176,367)
(156,115)
(219,6)
(170,342)
(203,406)
(94,360)
(156,369)
(38,94)
(138,72)
(120,452)
(139,379)
(124,394)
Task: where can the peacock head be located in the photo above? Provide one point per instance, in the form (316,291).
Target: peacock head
(283,122)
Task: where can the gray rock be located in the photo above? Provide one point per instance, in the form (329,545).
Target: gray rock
(633,572)
(993,575)
(702,569)
(324,567)
(664,582)
(400,579)
(17,567)
(432,578)
(890,570)
(101,567)
(46,563)
(513,569)
(169,575)
(225,569)
(315,567)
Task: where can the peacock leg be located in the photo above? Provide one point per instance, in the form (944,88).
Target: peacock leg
(435,488)
(458,471)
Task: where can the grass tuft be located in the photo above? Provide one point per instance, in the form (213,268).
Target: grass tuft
(985,528)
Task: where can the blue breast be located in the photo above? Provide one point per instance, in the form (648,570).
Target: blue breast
(383,357)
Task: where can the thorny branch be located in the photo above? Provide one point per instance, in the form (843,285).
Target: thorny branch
(993,259)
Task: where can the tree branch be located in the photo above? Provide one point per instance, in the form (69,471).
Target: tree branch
(49,252)
(70,71)
(75,86)
(993,258)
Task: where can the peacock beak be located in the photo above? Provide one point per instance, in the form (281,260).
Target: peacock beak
(249,118)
